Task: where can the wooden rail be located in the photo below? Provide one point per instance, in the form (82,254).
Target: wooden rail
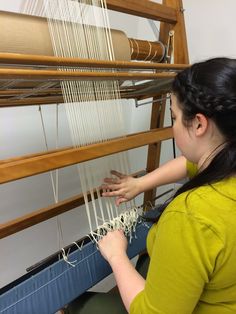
(31,101)
(28,59)
(55,75)
(40,215)
(32,165)
(144,8)
(18,224)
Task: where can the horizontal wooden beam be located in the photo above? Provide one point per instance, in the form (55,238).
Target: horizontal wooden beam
(52,100)
(56,75)
(40,215)
(31,101)
(19,92)
(21,223)
(31,165)
(27,59)
(144,8)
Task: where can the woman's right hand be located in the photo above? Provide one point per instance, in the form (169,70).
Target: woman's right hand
(123,187)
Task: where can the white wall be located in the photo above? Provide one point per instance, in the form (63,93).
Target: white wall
(210,28)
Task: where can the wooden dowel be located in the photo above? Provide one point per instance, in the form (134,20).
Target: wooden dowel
(56,75)
(30,101)
(24,167)
(31,91)
(26,59)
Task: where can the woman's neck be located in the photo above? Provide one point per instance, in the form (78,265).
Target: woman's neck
(206,158)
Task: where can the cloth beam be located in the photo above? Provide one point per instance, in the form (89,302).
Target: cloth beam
(57,285)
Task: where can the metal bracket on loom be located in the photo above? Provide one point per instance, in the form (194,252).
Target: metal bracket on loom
(138,104)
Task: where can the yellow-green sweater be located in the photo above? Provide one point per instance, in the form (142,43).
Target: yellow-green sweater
(193,254)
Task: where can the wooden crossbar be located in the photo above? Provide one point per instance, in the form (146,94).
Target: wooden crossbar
(144,8)
(28,59)
(28,166)
(43,214)
(55,75)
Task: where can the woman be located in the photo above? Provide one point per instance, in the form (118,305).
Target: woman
(192,248)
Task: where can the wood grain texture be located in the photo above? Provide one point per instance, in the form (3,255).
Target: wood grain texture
(32,165)
(144,8)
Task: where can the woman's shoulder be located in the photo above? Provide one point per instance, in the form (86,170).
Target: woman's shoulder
(215,195)
(213,205)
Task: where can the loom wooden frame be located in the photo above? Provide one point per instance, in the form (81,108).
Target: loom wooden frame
(170,12)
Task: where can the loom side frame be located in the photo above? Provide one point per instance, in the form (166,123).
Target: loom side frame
(180,53)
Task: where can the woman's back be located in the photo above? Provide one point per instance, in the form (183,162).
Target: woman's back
(193,254)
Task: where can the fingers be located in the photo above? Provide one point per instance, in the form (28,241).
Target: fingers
(111,187)
(119,178)
(115,187)
(112,180)
(110,193)
(118,174)
(110,236)
(120,200)
(118,247)
(120,197)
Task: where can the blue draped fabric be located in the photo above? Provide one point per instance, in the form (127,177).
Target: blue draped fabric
(58,284)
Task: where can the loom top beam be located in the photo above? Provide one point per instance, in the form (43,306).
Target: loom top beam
(20,33)
(144,8)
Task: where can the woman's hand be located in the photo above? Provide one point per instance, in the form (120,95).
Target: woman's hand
(113,248)
(123,187)
(113,245)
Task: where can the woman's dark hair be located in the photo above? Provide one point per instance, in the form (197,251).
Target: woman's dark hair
(209,88)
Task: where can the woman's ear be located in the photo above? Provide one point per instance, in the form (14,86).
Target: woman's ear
(200,124)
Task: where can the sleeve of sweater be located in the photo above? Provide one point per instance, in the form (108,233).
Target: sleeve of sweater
(183,257)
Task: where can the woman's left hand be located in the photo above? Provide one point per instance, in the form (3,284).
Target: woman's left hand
(112,245)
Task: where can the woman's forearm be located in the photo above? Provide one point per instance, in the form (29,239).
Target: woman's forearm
(170,172)
(128,280)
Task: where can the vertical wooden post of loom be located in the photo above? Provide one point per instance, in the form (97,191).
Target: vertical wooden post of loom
(158,108)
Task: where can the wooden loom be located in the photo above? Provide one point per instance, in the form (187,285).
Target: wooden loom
(24,67)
